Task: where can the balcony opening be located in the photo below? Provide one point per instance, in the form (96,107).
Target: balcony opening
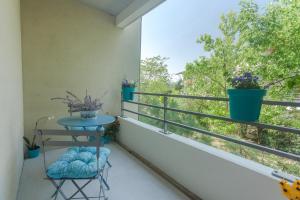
(196,49)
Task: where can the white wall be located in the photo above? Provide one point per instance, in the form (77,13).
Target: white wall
(210,173)
(70,46)
(11,112)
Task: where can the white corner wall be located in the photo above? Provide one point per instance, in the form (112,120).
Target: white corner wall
(210,173)
(11,100)
(68,45)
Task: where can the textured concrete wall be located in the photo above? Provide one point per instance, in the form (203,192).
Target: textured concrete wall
(70,46)
(11,100)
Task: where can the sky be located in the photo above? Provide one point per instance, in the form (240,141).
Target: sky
(171,29)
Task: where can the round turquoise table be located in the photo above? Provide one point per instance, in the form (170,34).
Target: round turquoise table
(76,123)
(79,123)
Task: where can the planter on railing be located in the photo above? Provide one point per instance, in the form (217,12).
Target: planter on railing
(245,104)
(128,88)
(127,93)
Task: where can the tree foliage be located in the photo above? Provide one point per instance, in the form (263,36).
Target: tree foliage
(265,42)
(154,75)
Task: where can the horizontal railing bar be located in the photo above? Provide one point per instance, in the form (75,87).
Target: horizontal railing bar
(183,96)
(71,143)
(244,143)
(266,102)
(144,115)
(66,132)
(256,124)
(144,104)
(260,125)
(281,103)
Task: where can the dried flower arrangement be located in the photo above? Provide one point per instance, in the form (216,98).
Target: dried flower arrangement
(75,104)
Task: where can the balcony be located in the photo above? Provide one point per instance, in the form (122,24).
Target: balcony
(50,46)
(150,163)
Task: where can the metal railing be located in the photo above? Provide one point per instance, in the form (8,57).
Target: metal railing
(165,121)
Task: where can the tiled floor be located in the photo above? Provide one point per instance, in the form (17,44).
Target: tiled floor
(129,179)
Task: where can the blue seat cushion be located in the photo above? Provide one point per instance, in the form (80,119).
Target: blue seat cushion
(78,162)
(103,150)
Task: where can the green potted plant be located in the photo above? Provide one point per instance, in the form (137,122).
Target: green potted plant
(111,132)
(32,147)
(128,88)
(245,98)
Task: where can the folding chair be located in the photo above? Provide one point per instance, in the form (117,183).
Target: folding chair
(91,138)
(85,160)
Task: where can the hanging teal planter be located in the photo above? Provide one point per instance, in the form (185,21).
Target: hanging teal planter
(128,93)
(33,153)
(245,104)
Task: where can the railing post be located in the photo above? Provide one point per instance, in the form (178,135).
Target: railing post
(165,115)
(122,105)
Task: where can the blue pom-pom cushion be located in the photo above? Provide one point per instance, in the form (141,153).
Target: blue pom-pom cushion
(78,162)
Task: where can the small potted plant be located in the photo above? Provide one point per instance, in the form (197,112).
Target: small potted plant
(32,147)
(87,107)
(128,88)
(246,97)
(111,132)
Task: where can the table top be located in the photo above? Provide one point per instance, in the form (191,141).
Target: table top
(77,121)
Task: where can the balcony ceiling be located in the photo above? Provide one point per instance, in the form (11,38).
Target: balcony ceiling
(125,11)
(113,7)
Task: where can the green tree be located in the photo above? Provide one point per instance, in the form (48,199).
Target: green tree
(265,42)
(273,39)
(154,77)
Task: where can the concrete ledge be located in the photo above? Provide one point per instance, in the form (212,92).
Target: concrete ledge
(180,187)
(208,172)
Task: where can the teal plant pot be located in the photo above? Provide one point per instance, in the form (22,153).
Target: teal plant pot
(245,104)
(33,153)
(127,93)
